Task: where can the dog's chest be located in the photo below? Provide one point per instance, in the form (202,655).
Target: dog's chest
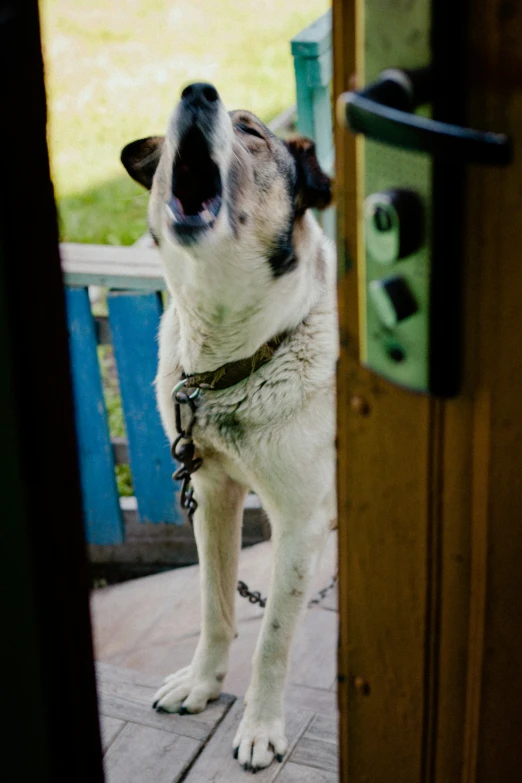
(264,423)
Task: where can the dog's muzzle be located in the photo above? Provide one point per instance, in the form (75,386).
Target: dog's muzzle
(196,195)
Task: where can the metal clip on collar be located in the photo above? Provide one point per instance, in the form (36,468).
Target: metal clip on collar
(183,382)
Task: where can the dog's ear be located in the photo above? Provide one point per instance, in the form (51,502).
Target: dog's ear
(141,159)
(313,186)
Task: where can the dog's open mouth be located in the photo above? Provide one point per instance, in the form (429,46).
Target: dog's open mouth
(196,185)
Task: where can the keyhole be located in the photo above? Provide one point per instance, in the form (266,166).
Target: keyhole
(382,219)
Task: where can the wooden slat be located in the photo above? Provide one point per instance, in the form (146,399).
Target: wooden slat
(217,764)
(141,754)
(319,753)
(112,266)
(139,743)
(197,727)
(134,321)
(312,700)
(312,54)
(313,72)
(100,494)
(314,39)
(110,728)
(314,118)
(319,745)
(296,773)
(130,684)
(159,544)
(324,728)
(125,694)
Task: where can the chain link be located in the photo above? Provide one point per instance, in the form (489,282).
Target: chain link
(321,594)
(254,597)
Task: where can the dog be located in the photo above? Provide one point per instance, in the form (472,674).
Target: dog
(250,274)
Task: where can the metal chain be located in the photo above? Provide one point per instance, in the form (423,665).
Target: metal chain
(183,450)
(321,594)
(254,597)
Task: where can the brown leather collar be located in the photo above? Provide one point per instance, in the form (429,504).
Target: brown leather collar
(229,374)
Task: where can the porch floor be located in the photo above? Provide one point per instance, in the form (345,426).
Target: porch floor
(146,628)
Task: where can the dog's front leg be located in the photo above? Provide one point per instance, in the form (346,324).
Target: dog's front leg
(217,526)
(261,733)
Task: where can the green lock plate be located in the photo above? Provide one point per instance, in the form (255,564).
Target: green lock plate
(397,255)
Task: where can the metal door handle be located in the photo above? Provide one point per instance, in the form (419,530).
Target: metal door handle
(383,111)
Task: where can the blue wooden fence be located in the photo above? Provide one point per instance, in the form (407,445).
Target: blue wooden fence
(132,328)
(134,279)
(101,501)
(134,322)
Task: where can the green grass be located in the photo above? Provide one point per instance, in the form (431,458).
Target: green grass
(111,213)
(115,70)
(111,392)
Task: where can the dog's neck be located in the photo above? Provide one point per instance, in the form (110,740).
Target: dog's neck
(229,305)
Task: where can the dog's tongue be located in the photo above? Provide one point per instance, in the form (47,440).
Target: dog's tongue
(204,218)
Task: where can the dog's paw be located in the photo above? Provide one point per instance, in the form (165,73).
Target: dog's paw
(183,692)
(257,742)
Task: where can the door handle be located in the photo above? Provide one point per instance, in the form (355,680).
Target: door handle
(383,111)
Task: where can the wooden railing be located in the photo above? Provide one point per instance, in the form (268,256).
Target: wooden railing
(114,525)
(134,281)
(312,53)
(122,268)
(313,66)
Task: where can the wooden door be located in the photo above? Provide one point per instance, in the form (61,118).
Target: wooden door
(430,490)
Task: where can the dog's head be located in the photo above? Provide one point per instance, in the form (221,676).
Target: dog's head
(221,175)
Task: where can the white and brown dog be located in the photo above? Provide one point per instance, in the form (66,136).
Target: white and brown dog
(246,262)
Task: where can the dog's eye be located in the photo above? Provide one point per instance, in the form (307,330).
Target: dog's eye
(249,129)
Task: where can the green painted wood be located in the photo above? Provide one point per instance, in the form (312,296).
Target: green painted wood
(101,503)
(313,74)
(305,113)
(314,117)
(314,39)
(317,71)
(322,127)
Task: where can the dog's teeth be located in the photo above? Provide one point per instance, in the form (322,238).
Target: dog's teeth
(206,215)
(170,213)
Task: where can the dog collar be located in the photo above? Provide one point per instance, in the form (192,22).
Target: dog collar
(233,372)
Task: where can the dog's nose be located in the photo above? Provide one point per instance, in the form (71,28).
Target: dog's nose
(199,95)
